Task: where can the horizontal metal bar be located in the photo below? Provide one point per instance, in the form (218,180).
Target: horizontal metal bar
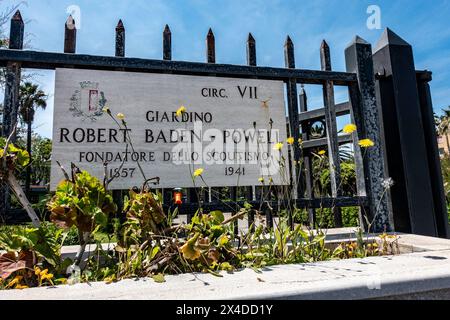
(317,114)
(315,143)
(191,208)
(51,60)
(15,216)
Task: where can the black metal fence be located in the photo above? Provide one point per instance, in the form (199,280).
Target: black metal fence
(372,196)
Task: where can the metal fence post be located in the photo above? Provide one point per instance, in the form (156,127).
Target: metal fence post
(11,101)
(426,106)
(406,151)
(358,56)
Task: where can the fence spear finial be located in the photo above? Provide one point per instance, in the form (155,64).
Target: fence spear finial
(120,39)
(289,57)
(325,57)
(120,25)
(251,50)
(167,43)
(210,47)
(16,32)
(250,37)
(70,22)
(288,41)
(70,35)
(17,16)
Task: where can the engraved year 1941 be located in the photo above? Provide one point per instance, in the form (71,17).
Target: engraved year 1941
(232,171)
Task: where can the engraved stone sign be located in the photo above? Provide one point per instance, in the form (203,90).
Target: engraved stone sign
(228,127)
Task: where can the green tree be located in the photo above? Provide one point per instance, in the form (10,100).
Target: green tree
(30,99)
(41,150)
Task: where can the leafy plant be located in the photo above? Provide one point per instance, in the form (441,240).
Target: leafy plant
(29,249)
(15,157)
(82,202)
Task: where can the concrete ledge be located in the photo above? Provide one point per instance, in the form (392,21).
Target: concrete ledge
(415,275)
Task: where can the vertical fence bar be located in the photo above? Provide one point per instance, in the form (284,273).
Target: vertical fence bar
(211,58)
(119,52)
(11,97)
(357,152)
(167,55)
(192,197)
(167,43)
(120,39)
(234,196)
(12,77)
(292,102)
(358,58)
(251,61)
(332,136)
(307,161)
(70,36)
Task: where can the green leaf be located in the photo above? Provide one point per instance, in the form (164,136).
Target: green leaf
(218,216)
(226,266)
(101,218)
(223,240)
(23,158)
(154,252)
(159,278)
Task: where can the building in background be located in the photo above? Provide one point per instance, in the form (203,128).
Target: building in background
(444,144)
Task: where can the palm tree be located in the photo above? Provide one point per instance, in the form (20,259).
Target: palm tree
(31,98)
(443,126)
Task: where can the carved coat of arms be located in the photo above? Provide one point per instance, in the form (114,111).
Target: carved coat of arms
(88,101)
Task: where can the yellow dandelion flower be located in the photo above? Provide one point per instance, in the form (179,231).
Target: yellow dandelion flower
(198,172)
(366,143)
(120,116)
(349,128)
(15,281)
(181,110)
(300,141)
(261,180)
(278,146)
(19,286)
(322,152)
(290,140)
(48,276)
(37,271)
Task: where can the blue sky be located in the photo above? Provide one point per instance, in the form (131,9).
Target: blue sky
(423,23)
